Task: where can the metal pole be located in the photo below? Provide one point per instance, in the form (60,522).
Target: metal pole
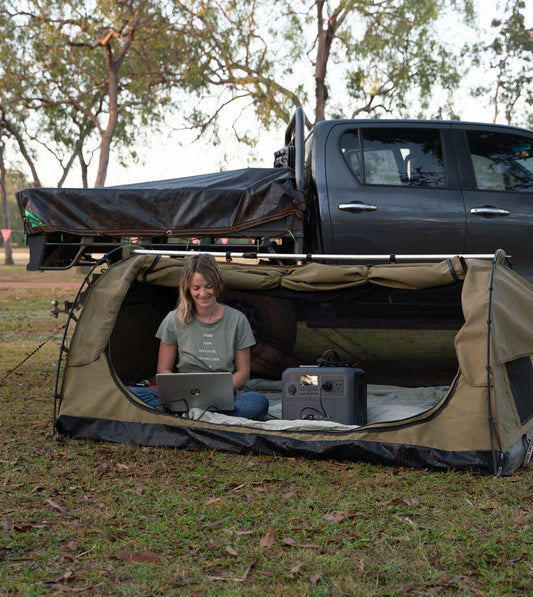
(299,150)
(314,256)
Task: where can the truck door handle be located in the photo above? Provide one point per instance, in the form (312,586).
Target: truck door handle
(357,207)
(488,211)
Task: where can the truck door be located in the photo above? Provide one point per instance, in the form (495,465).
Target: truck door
(499,195)
(392,188)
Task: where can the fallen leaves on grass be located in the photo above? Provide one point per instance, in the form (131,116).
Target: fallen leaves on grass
(269,539)
(289,494)
(234,578)
(143,556)
(56,506)
(292,543)
(334,517)
(295,569)
(217,523)
(71,589)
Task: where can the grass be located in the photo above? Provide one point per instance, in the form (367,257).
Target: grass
(108,519)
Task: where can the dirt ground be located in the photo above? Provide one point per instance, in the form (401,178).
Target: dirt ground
(25,279)
(40,284)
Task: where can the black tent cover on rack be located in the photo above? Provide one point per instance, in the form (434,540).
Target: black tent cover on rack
(220,203)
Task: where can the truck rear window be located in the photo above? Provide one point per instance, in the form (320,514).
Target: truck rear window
(502,162)
(395,157)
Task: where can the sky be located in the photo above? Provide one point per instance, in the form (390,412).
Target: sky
(174,154)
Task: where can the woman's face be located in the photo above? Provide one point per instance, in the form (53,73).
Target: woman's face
(202,292)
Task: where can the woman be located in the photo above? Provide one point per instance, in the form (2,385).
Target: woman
(204,335)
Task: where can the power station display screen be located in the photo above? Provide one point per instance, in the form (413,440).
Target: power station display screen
(309,380)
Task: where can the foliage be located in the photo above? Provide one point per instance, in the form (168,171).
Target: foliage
(508,56)
(15,82)
(240,61)
(15,181)
(95,73)
(390,57)
(353,56)
(106,519)
(402,63)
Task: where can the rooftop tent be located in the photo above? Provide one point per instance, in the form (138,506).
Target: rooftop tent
(483,421)
(217,203)
(63,225)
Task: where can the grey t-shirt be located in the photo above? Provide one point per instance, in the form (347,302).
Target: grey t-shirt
(207,346)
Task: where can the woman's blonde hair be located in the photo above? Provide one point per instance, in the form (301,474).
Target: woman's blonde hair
(204,264)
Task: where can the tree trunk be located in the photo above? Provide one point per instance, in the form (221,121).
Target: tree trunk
(320,78)
(109,132)
(105,147)
(5,211)
(84,170)
(12,130)
(112,67)
(327,28)
(105,144)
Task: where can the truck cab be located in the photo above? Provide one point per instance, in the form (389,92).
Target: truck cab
(419,187)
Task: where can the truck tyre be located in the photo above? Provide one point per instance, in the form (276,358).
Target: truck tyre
(274,326)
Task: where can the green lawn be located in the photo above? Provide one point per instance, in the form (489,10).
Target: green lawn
(107,519)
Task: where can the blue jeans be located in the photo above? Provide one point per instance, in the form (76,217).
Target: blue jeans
(249,405)
(146,395)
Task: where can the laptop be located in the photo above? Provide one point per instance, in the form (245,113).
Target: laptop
(179,392)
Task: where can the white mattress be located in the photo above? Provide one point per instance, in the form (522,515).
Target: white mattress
(384,404)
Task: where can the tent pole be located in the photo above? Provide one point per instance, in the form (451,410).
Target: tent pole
(489,368)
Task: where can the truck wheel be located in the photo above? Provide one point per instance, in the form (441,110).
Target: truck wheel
(274,327)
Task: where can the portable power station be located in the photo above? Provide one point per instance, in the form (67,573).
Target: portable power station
(325,393)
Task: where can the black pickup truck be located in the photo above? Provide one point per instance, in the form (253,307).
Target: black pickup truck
(348,190)
(420,187)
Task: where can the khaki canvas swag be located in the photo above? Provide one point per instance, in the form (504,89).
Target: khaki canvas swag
(484,422)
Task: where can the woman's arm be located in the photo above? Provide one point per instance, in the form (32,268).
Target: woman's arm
(166,360)
(242,367)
